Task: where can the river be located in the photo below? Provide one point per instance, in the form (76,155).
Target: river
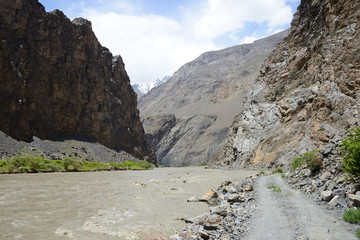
(104,205)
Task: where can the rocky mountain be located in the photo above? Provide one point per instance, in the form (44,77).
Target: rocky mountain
(142,88)
(308,90)
(57,80)
(186,119)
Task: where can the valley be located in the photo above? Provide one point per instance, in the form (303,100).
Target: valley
(253,141)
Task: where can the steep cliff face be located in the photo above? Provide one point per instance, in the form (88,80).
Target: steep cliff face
(187,118)
(308,90)
(56,79)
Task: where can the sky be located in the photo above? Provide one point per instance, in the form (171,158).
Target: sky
(156,37)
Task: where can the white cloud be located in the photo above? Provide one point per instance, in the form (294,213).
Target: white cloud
(153,46)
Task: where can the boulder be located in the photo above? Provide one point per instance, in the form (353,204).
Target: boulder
(193,199)
(354,200)
(248,187)
(207,197)
(326,195)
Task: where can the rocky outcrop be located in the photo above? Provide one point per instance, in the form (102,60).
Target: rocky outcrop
(307,91)
(56,79)
(204,96)
(329,185)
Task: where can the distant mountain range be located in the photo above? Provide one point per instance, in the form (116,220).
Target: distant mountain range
(142,88)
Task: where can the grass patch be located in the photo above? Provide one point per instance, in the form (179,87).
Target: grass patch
(352,216)
(28,163)
(274,188)
(278,170)
(261,173)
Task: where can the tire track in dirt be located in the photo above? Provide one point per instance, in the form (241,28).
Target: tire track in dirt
(289,215)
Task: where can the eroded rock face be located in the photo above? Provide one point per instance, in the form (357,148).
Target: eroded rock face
(307,91)
(56,79)
(204,96)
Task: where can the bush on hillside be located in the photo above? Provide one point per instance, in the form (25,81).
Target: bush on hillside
(310,158)
(350,150)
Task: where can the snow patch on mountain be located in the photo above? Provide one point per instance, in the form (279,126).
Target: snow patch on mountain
(143,88)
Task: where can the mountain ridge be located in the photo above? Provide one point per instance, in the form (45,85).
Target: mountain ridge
(200,98)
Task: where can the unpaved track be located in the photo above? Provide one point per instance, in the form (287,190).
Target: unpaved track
(290,215)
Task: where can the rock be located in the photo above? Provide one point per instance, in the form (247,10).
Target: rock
(231,189)
(339,192)
(233,198)
(193,199)
(338,201)
(354,200)
(62,82)
(248,187)
(297,97)
(326,175)
(219,210)
(326,195)
(208,196)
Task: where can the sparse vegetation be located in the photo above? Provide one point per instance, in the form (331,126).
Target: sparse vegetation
(29,163)
(262,173)
(350,149)
(310,158)
(278,170)
(352,216)
(283,175)
(274,188)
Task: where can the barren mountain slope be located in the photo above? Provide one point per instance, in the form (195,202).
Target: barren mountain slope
(186,119)
(308,90)
(56,79)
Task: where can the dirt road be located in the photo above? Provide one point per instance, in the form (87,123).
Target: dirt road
(289,214)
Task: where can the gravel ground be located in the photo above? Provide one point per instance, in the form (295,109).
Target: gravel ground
(289,214)
(59,148)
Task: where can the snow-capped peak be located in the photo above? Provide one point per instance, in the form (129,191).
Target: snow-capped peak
(143,88)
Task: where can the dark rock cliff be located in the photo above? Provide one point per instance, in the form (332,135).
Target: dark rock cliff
(308,90)
(56,79)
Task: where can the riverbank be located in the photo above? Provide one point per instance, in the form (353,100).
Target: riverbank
(35,164)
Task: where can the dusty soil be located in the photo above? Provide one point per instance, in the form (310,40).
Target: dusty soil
(289,214)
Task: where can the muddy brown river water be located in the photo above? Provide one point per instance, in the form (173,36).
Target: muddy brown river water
(104,205)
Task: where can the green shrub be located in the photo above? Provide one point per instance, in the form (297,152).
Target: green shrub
(352,216)
(358,233)
(278,170)
(3,163)
(350,149)
(298,162)
(310,158)
(57,162)
(19,161)
(53,167)
(145,165)
(261,172)
(36,163)
(70,162)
